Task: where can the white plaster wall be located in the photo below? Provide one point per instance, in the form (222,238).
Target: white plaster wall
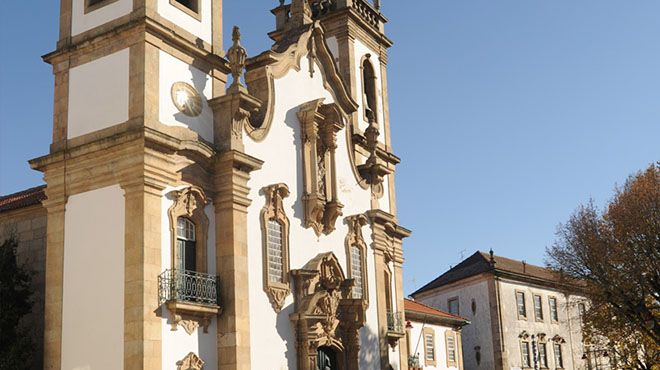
(272,337)
(174,70)
(93,307)
(417,345)
(98,94)
(82,22)
(177,344)
(479,332)
(202,29)
(513,326)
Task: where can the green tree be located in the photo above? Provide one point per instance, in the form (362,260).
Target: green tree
(616,253)
(16,346)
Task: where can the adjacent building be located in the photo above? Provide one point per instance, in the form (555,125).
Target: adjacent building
(206,209)
(433,338)
(522,316)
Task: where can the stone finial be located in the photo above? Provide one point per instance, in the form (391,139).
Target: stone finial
(377,4)
(237,56)
(492,258)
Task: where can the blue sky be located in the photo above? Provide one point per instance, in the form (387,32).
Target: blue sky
(507,113)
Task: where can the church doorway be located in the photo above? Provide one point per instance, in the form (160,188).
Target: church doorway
(326,359)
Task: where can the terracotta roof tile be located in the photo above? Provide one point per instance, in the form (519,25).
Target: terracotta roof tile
(23,199)
(414,306)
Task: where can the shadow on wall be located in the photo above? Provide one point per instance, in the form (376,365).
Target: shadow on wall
(369,349)
(291,120)
(285,331)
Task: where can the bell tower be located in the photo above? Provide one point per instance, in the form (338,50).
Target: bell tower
(355,34)
(131,125)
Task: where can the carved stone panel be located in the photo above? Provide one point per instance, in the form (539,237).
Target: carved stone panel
(325,314)
(320,125)
(190,362)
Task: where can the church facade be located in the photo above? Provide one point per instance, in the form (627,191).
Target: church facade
(210,210)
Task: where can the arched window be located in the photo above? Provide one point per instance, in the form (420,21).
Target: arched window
(357,272)
(186,243)
(275,252)
(369,89)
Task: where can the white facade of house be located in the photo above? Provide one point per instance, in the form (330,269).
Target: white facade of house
(491,304)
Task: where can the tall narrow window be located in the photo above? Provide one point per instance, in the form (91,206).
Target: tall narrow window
(186,245)
(520,303)
(388,290)
(357,262)
(559,358)
(582,310)
(275,229)
(275,252)
(369,89)
(451,348)
(524,351)
(538,308)
(453,306)
(543,356)
(429,347)
(357,272)
(554,313)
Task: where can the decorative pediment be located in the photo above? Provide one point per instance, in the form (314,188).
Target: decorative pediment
(307,41)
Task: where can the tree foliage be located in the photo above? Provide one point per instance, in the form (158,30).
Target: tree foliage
(616,253)
(16,347)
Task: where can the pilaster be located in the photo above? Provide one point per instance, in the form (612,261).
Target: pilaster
(142,327)
(232,173)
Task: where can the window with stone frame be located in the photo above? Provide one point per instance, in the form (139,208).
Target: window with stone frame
(190,7)
(452,350)
(275,251)
(543,355)
(356,249)
(189,226)
(554,311)
(186,244)
(521,305)
(559,356)
(92,5)
(320,125)
(525,354)
(453,306)
(429,347)
(369,90)
(538,307)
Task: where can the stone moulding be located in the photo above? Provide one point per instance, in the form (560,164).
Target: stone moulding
(264,69)
(190,362)
(356,238)
(320,125)
(324,314)
(190,203)
(191,316)
(274,210)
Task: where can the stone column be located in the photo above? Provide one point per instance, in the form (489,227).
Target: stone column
(142,243)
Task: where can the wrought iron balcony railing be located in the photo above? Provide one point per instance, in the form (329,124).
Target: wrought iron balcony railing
(188,286)
(395,322)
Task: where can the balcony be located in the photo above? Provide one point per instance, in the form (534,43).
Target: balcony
(395,327)
(191,297)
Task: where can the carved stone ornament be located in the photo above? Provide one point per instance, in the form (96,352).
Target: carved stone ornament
(274,211)
(237,56)
(190,203)
(307,40)
(355,238)
(325,315)
(190,362)
(189,326)
(320,125)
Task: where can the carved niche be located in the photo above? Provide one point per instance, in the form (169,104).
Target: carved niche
(273,212)
(190,203)
(320,125)
(325,314)
(190,362)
